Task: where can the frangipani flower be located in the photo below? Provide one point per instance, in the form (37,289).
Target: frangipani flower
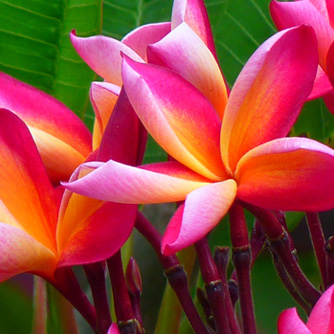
(320,321)
(41,229)
(319,14)
(243,157)
(190,19)
(62,138)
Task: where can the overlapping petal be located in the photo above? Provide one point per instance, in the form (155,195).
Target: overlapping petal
(45,116)
(140,38)
(321,319)
(25,189)
(201,212)
(177,124)
(294,13)
(169,182)
(20,252)
(289,322)
(103,55)
(290,174)
(269,92)
(185,53)
(194,13)
(103,96)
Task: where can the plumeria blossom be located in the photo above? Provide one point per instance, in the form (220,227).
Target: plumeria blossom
(243,156)
(319,14)
(113,329)
(51,230)
(62,138)
(320,321)
(190,19)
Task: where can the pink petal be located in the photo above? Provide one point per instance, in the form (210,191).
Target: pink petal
(140,38)
(269,92)
(62,138)
(21,253)
(294,13)
(289,174)
(330,10)
(178,124)
(194,13)
(322,85)
(321,320)
(124,138)
(185,53)
(113,329)
(330,61)
(103,96)
(290,323)
(25,190)
(115,182)
(329,101)
(103,55)
(95,232)
(201,212)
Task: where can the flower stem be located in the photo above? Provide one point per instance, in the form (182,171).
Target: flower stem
(67,284)
(318,242)
(213,286)
(242,262)
(122,303)
(95,273)
(174,272)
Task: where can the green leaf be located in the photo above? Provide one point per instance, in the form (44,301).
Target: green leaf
(35,46)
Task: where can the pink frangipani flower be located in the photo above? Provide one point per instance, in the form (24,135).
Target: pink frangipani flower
(243,156)
(320,321)
(319,14)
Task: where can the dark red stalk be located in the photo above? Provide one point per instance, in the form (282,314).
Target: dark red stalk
(95,273)
(329,248)
(280,244)
(67,284)
(242,262)
(221,258)
(174,272)
(318,242)
(213,286)
(122,303)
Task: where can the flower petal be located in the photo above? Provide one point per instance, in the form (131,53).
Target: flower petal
(103,96)
(140,38)
(194,13)
(330,65)
(25,189)
(269,92)
(322,85)
(294,13)
(290,323)
(201,212)
(289,174)
(124,138)
(60,135)
(185,53)
(90,230)
(20,253)
(113,329)
(115,182)
(321,320)
(178,124)
(103,55)
(329,101)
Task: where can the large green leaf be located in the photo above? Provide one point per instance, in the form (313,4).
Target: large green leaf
(35,45)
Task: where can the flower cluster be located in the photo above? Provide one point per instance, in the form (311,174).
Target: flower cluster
(69,197)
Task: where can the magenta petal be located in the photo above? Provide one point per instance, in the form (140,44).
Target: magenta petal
(194,13)
(103,55)
(140,38)
(201,212)
(112,225)
(290,323)
(322,85)
(115,182)
(329,101)
(330,65)
(321,320)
